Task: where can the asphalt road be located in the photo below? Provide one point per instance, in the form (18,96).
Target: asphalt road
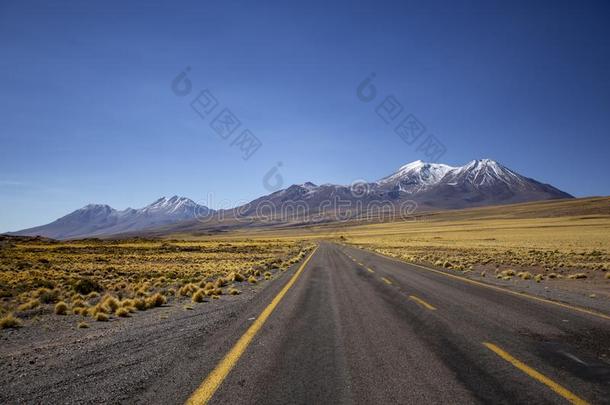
(344,326)
(359,328)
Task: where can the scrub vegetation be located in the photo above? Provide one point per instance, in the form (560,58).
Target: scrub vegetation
(106,280)
(538,241)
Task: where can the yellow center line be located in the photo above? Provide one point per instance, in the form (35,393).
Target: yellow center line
(422,303)
(370,270)
(386,280)
(493,287)
(565,393)
(209,386)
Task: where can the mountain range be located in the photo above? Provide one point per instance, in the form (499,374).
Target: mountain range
(99,219)
(431,186)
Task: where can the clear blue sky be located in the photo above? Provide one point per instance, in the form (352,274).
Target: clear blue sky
(88,114)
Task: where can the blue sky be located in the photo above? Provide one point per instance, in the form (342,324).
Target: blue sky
(88,112)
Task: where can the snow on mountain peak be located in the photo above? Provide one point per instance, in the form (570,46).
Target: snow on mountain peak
(483,163)
(171,205)
(419,175)
(309,186)
(419,172)
(487,171)
(97,208)
(413,165)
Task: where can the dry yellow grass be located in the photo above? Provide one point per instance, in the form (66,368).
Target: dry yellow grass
(101,317)
(156,300)
(31,304)
(93,277)
(9,321)
(547,245)
(61,308)
(551,238)
(122,312)
(199,296)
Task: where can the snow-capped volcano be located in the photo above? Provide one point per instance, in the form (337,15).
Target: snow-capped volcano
(100,219)
(431,185)
(478,182)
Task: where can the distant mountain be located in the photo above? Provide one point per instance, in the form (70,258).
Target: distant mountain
(426,186)
(430,185)
(98,220)
(477,183)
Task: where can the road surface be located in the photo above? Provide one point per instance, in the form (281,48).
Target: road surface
(359,328)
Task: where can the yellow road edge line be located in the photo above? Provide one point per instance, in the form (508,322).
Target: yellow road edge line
(493,287)
(565,393)
(422,303)
(385,280)
(213,381)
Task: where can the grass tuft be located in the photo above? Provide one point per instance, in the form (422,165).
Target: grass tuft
(123,312)
(79,311)
(47,296)
(199,296)
(78,303)
(61,308)
(128,303)
(31,304)
(110,303)
(87,285)
(101,317)
(9,321)
(156,300)
(92,295)
(187,289)
(140,304)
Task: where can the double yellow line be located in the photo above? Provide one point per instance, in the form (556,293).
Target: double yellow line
(210,385)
